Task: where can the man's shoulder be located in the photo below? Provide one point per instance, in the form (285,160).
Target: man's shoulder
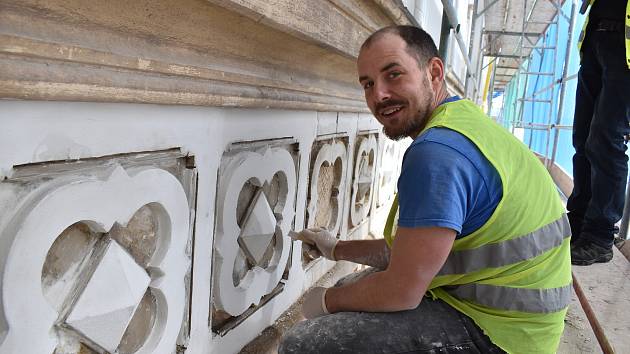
(439,137)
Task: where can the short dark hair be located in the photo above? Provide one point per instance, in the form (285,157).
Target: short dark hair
(419,43)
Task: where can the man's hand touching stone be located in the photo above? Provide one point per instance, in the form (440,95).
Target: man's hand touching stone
(316,242)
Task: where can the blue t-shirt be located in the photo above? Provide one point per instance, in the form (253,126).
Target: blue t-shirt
(446,181)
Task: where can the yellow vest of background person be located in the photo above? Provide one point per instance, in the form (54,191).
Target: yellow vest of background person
(627,32)
(513,275)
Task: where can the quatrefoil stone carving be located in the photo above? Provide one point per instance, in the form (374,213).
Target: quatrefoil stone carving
(260,225)
(387,172)
(364,168)
(105,303)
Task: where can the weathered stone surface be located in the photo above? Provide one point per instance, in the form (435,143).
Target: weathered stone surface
(64,262)
(139,237)
(363,180)
(283,54)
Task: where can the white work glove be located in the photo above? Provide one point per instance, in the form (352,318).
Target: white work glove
(314,304)
(316,242)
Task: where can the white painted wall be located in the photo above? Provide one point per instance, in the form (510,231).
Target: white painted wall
(38,132)
(428,13)
(456,59)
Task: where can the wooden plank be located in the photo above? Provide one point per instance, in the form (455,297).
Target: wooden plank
(578,337)
(607,289)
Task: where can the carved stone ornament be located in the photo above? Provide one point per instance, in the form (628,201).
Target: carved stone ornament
(332,157)
(364,168)
(387,172)
(99,304)
(263,231)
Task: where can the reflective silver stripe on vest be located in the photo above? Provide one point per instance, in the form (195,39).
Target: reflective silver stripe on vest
(508,252)
(514,299)
(627,32)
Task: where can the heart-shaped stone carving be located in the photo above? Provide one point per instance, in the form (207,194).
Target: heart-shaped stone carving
(258,281)
(101,204)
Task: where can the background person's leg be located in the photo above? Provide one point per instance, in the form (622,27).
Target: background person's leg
(605,146)
(432,327)
(588,90)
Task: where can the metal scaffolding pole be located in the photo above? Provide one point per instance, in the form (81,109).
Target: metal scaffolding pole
(491,88)
(519,115)
(452,19)
(543,110)
(474,48)
(563,84)
(553,71)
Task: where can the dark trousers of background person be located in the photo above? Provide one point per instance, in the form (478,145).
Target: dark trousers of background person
(600,164)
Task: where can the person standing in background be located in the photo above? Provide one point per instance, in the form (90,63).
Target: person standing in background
(602,110)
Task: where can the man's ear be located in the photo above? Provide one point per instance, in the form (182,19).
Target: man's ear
(435,73)
(436,70)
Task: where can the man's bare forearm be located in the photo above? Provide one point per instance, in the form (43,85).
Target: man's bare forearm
(374,253)
(376,292)
(417,256)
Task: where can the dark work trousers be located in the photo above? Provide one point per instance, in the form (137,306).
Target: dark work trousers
(433,327)
(600,164)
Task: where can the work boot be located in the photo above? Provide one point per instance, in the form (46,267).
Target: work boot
(574,239)
(585,253)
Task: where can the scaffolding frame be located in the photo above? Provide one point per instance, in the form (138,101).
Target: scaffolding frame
(553,124)
(525,75)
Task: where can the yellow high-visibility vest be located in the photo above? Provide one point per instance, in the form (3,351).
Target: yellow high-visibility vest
(512,276)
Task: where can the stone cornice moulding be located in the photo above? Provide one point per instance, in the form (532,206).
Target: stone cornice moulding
(49,71)
(11,45)
(293,55)
(344,28)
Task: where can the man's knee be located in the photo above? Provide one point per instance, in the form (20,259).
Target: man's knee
(336,333)
(300,339)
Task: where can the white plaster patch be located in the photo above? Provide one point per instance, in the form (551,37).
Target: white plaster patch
(100,204)
(326,123)
(110,298)
(144,64)
(259,228)
(235,299)
(55,145)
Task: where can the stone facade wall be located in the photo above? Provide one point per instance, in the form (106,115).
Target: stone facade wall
(155,154)
(158,227)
